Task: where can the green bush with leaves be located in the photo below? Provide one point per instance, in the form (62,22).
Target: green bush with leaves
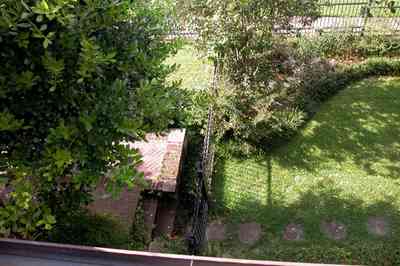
(78,78)
(83,228)
(240,38)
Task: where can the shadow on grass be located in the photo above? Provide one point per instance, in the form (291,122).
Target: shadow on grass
(320,203)
(354,135)
(361,125)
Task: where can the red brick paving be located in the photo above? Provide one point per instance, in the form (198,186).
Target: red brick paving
(162,156)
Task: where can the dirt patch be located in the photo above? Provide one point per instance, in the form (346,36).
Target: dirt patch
(378,226)
(334,230)
(216,231)
(249,233)
(293,232)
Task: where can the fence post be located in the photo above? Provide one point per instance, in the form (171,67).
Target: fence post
(366,14)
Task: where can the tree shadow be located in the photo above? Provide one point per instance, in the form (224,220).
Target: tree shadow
(323,202)
(361,128)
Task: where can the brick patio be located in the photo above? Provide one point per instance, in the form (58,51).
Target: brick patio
(162,160)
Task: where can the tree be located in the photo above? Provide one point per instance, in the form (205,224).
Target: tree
(242,36)
(78,78)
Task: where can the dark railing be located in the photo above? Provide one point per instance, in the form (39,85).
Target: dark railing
(198,238)
(23,253)
(357,16)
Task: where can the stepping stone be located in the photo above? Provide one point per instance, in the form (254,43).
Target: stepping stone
(156,246)
(249,233)
(293,232)
(378,226)
(334,230)
(216,231)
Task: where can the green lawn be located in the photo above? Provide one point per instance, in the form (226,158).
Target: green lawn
(344,166)
(345,8)
(194,70)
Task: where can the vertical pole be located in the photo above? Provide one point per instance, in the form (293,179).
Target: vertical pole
(366,14)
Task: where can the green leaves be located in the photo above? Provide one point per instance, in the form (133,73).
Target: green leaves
(54,67)
(87,121)
(22,215)
(44,7)
(74,71)
(9,123)
(62,158)
(92,59)
(41,7)
(26,80)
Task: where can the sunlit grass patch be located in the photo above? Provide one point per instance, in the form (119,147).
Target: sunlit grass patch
(344,166)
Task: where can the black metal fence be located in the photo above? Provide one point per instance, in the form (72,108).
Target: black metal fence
(198,236)
(357,16)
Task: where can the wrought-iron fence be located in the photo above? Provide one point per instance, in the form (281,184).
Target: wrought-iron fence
(357,16)
(197,238)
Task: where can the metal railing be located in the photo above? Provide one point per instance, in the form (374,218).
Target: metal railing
(22,253)
(357,16)
(198,236)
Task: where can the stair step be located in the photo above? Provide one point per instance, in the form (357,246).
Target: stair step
(150,206)
(166,217)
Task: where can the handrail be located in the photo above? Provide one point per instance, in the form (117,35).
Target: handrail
(21,253)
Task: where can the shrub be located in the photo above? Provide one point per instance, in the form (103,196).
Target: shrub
(324,87)
(310,84)
(348,45)
(260,116)
(91,230)
(240,37)
(77,79)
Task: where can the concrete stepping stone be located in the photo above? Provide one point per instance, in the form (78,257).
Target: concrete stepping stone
(156,246)
(216,231)
(294,232)
(334,230)
(249,233)
(378,226)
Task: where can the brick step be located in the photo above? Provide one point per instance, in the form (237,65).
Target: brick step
(166,216)
(150,206)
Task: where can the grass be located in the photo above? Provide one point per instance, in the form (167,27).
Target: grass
(344,166)
(194,70)
(345,8)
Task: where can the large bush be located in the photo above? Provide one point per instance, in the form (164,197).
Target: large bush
(240,35)
(77,78)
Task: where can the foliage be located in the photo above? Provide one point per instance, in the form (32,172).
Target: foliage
(138,239)
(194,73)
(348,45)
(342,166)
(23,215)
(320,89)
(77,79)
(172,246)
(240,38)
(87,229)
